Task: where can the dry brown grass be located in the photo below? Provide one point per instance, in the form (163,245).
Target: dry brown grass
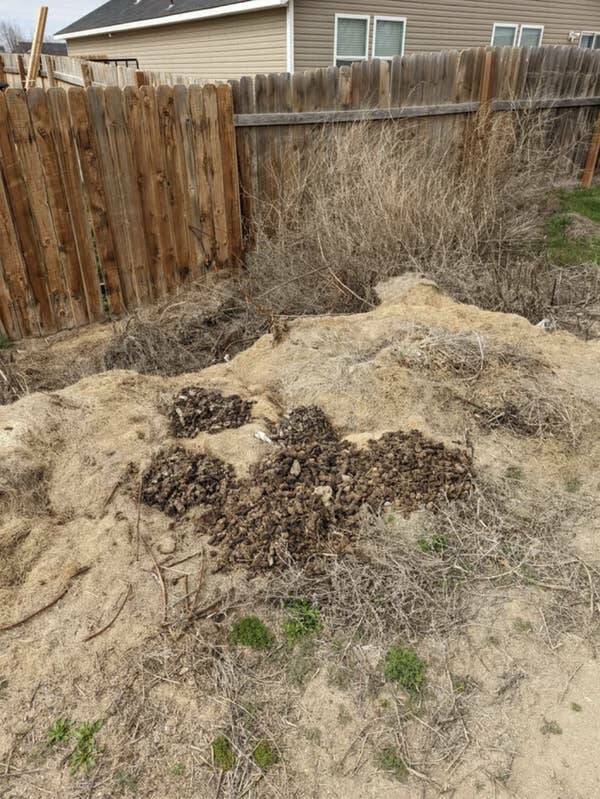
(370,202)
(466,354)
(425,576)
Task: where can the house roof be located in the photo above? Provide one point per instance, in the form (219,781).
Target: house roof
(48,48)
(126,14)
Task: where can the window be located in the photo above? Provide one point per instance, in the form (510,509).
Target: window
(388,38)
(589,41)
(531,35)
(504,35)
(508,34)
(351,38)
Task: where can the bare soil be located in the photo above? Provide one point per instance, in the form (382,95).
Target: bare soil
(114,608)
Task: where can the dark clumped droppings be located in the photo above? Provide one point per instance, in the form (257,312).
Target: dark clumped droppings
(302,425)
(177,480)
(306,497)
(198,410)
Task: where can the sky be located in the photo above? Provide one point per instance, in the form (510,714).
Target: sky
(60,13)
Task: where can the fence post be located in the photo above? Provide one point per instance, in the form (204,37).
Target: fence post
(48,64)
(140,78)
(2,71)
(22,73)
(592,156)
(86,74)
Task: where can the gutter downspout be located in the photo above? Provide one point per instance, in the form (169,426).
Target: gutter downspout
(290,35)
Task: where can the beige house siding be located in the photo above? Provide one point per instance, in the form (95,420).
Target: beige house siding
(437,25)
(221,48)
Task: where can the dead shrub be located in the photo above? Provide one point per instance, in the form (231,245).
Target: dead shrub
(530,409)
(371,201)
(182,339)
(466,354)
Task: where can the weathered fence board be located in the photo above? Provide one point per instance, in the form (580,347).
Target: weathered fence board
(437,97)
(95,218)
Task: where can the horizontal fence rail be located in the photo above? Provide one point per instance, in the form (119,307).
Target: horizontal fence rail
(407,112)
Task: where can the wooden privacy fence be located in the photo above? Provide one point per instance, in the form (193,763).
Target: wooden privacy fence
(111,198)
(62,71)
(436,94)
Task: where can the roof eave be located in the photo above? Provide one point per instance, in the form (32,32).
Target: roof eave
(173,19)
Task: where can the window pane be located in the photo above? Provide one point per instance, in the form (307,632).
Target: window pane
(586,40)
(388,38)
(351,37)
(504,36)
(597,42)
(531,37)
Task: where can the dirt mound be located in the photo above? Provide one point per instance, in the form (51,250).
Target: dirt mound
(178,480)
(198,410)
(140,639)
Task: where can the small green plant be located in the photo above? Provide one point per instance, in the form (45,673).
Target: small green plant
(59,731)
(522,625)
(406,668)
(573,485)
(551,728)
(86,749)
(514,473)
(250,631)
(264,755)
(3,686)
(223,754)
(576,707)
(302,620)
(126,783)
(5,343)
(436,545)
(178,769)
(389,761)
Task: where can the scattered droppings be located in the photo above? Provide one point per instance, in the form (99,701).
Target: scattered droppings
(304,424)
(197,410)
(177,480)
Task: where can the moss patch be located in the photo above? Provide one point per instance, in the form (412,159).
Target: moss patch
(223,754)
(405,667)
(302,620)
(251,632)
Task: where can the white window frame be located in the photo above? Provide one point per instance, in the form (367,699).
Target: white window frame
(364,57)
(512,25)
(388,19)
(539,28)
(594,34)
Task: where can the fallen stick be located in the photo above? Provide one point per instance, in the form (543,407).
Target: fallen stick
(200,584)
(114,618)
(161,579)
(49,605)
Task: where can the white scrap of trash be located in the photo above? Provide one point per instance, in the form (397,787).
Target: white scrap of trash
(263,437)
(549,325)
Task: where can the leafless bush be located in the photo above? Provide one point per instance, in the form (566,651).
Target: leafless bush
(13,383)
(465,353)
(369,202)
(187,334)
(531,409)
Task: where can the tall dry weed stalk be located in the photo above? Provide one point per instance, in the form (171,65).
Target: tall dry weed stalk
(458,202)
